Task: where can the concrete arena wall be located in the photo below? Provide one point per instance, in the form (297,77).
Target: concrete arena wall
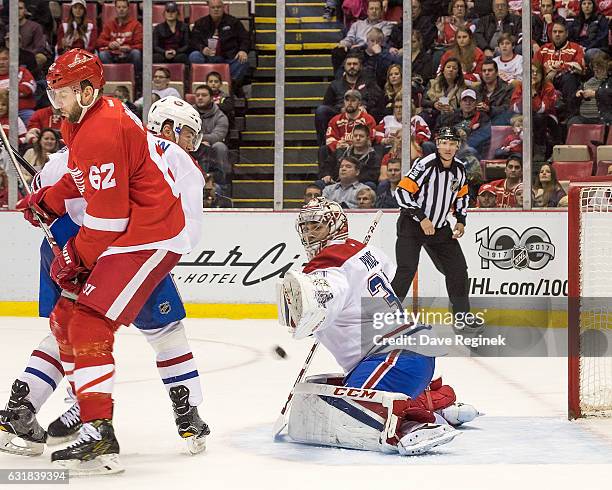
(510,254)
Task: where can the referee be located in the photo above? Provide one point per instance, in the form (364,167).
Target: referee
(435,184)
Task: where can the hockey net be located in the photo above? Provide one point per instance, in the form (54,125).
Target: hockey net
(590,298)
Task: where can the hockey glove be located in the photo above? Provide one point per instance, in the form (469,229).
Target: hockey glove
(67,269)
(33,204)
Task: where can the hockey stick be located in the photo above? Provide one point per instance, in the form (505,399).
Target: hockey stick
(22,161)
(282,420)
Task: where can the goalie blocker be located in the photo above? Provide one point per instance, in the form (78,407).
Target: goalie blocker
(328,413)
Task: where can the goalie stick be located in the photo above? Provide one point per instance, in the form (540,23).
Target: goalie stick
(282,421)
(26,185)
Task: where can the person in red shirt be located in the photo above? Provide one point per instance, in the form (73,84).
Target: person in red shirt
(470,56)
(340,129)
(121,38)
(27,86)
(504,188)
(133,234)
(563,63)
(47,117)
(78,31)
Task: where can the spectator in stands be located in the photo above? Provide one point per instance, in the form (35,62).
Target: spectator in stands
(27,86)
(40,12)
(386,188)
(393,87)
(487,196)
(563,63)
(447,25)
(422,62)
(491,26)
(474,123)
(425,24)
(469,55)
(223,100)
(589,111)
(221,38)
(78,31)
(123,94)
(345,191)
(548,190)
(604,97)
(3,188)
(541,24)
(47,117)
(212,196)
(161,86)
(361,149)
(390,126)
(48,143)
(494,95)
(590,29)
(171,37)
(509,64)
(356,36)
(311,192)
(4,115)
(33,37)
(505,188)
(444,94)
(376,59)
(121,38)
(339,133)
(215,125)
(366,198)
(513,143)
(371,95)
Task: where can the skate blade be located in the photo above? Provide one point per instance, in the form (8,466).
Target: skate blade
(107,464)
(446,436)
(196,445)
(9,444)
(55,441)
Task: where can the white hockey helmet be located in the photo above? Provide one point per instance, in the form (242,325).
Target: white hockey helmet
(333,225)
(179,112)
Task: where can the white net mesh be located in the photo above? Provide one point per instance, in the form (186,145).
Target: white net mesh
(595,300)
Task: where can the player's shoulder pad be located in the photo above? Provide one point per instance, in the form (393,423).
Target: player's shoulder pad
(334,255)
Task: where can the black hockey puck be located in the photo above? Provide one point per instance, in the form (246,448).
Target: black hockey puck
(280,352)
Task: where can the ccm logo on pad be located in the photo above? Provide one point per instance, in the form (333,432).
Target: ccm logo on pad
(354,392)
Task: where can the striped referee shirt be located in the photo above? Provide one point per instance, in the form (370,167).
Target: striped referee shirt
(430,191)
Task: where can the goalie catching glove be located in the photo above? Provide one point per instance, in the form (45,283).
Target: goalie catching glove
(302,301)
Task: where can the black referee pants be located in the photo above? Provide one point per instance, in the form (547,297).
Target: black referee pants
(444,251)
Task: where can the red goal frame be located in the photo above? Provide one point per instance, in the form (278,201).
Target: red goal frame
(573,276)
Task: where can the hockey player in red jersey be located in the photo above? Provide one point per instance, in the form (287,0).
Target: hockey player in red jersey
(133,234)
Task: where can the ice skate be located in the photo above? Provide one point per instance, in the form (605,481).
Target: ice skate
(425,438)
(65,427)
(20,432)
(188,422)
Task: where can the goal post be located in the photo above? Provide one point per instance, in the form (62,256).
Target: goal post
(589,297)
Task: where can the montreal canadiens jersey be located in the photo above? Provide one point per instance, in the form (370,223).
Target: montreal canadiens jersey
(187,177)
(357,274)
(132,200)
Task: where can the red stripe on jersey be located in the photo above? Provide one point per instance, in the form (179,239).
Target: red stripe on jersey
(176,360)
(49,359)
(378,374)
(334,255)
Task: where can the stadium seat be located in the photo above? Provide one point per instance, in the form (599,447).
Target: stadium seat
(394,14)
(584,134)
(158,13)
(177,75)
(571,153)
(108,11)
(489,163)
(199,10)
(91,11)
(609,140)
(199,72)
(119,74)
(190,98)
(573,170)
(239,9)
(604,159)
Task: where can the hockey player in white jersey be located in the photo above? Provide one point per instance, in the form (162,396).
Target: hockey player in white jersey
(159,321)
(384,400)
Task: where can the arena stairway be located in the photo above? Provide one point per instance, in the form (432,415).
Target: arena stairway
(309,40)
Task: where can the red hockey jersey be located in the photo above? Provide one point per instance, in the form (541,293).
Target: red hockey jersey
(132,199)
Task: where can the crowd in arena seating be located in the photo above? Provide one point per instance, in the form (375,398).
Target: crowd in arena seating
(113,31)
(467,70)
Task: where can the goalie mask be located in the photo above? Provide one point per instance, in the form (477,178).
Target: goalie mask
(320,223)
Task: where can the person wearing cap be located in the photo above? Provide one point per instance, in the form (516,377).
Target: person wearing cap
(121,38)
(487,196)
(78,31)
(435,184)
(171,37)
(475,124)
